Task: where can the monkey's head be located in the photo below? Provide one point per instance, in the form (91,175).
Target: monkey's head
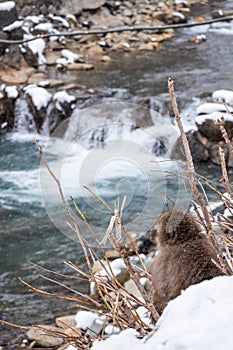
(176,226)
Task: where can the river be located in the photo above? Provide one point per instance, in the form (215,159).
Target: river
(27,233)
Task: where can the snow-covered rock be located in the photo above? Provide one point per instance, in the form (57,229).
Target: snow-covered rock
(69,55)
(36,47)
(11,91)
(44,27)
(207,108)
(223,96)
(213,116)
(62,97)
(40,97)
(13,26)
(60,20)
(7,5)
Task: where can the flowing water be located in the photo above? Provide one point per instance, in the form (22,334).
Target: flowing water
(110,156)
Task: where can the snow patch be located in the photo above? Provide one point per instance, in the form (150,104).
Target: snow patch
(207,108)
(61,97)
(110,329)
(11,91)
(7,6)
(223,96)
(40,96)
(84,319)
(60,20)
(37,46)
(44,27)
(15,25)
(70,56)
(213,116)
(200,318)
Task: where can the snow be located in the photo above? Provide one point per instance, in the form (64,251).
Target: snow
(84,319)
(207,108)
(200,318)
(4,125)
(60,20)
(61,62)
(37,46)
(125,340)
(61,97)
(144,314)
(7,6)
(34,19)
(223,96)
(71,347)
(40,96)
(70,56)
(11,91)
(213,116)
(178,14)
(180,2)
(15,25)
(110,329)
(44,27)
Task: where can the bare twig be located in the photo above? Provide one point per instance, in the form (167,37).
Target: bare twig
(190,166)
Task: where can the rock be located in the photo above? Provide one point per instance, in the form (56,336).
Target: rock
(214,154)
(8,15)
(199,152)
(51,57)
(80,66)
(98,265)
(7,107)
(123,277)
(52,83)
(212,132)
(37,78)
(70,86)
(95,328)
(95,50)
(76,6)
(146,47)
(45,338)
(16,77)
(66,321)
(112,254)
(131,287)
(63,107)
(105,58)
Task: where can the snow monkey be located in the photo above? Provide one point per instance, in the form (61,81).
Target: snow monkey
(185,257)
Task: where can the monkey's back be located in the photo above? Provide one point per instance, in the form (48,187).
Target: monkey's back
(178,266)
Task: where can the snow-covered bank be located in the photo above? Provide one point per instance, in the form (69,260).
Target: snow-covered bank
(200,318)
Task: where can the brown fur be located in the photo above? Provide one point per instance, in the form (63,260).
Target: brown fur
(184,258)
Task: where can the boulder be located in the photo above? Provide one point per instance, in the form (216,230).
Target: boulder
(212,132)
(198,150)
